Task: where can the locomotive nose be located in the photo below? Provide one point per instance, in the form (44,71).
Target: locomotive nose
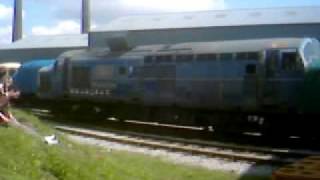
(310,95)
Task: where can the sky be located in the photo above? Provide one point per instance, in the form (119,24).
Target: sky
(51,17)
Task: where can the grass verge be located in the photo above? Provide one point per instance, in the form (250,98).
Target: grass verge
(24,157)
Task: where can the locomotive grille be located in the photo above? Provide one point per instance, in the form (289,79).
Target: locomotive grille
(80,77)
(158,82)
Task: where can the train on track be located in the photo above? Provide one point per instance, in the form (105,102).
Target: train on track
(266,85)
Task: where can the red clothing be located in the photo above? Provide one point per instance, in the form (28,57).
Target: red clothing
(4,105)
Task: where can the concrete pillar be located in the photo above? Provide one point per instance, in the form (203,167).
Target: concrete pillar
(85,18)
(17,21)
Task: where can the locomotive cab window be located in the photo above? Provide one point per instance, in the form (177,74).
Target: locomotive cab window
(242,56)
(253,56)
(272,60)
(184,58)
(247,56)
(290,61)
(164,59)
(226,56)
(207,57)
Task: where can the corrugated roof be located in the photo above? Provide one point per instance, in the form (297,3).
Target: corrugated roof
(57,41)
(290,15)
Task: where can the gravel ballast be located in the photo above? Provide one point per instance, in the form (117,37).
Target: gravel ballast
(182,158)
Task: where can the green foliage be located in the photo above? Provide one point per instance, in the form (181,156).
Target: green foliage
(24,157)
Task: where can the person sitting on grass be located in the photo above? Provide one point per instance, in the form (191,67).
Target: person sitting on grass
(6,93)
(6,117)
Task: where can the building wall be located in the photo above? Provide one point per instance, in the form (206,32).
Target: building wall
(167,36)
(24,55)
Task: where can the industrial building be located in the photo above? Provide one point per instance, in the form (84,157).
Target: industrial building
(167,28)
(210,26)
(42,47)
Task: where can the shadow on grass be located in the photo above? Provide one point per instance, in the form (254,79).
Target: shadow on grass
(257,172)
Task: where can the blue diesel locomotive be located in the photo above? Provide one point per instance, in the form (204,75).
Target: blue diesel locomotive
(242,85)
(26,79)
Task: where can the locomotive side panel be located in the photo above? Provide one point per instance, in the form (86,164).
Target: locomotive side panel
(234,77)
(104,80)
(158,83)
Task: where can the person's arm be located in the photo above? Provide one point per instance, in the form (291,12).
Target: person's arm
(13,94)
(4,117)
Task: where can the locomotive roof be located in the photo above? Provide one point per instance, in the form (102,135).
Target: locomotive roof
(191,47)
(238,17)
(220,46)
(84,53)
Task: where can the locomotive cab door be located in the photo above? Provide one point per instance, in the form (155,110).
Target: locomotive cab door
(272,58)
(290,78)
(272,63)
(283,70)
(252,80)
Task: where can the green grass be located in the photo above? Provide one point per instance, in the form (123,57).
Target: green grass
(24,157)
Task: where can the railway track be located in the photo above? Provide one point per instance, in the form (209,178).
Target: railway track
(158,136)
(231,152)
